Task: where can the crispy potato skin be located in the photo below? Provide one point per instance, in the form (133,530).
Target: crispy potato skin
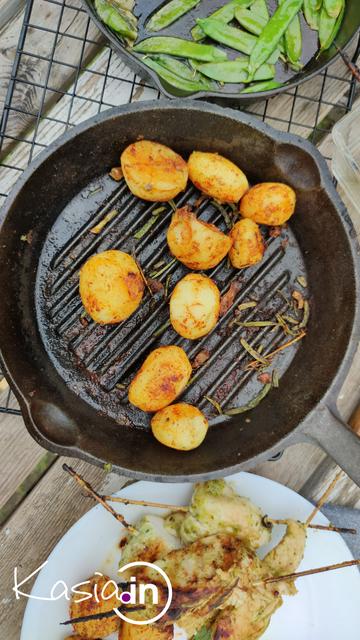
(95,628)
(111,286)
(194,306)
(271,203)
(153,171)
(196,244)
(146,632)
(180,426)
(248,245)
(162,377)
(217,176)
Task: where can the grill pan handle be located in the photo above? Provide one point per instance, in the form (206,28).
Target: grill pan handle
(337,439)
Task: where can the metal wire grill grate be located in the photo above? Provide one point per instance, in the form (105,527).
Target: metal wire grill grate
(64,73)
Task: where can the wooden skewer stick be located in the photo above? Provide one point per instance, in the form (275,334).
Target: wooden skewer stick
(309,572)
(144,503)
(254,363)
(321,527)
(324,497)
(91,492)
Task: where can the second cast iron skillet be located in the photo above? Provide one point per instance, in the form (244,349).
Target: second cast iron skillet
(313,64)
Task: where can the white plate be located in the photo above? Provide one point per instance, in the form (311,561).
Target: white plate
(327,606)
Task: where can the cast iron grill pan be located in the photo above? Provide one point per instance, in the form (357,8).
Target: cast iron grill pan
(99,361)
(182,27)
(71,375)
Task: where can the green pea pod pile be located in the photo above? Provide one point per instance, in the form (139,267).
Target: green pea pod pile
(245,26)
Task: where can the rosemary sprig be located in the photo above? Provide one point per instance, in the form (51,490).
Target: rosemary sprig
(99,227)
(161,329)
(252,404)
(215,404)
(255,354)
(168,265)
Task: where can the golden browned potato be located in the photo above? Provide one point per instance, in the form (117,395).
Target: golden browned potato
(217,176)
(147,632)
(248,246)
(271,203)
(180,426)
(153,171)
(194,306)
(95,628)
(111,286)
(162,377)
(196,244)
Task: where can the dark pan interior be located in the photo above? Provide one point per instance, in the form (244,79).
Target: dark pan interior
(181,28)
(67,373)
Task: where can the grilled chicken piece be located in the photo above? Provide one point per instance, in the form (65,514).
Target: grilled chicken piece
(286,556)
(215,507)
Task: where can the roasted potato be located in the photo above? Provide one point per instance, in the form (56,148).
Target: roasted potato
(217,176)
(271,203)
(248,246)
(153,171)
(95,628)
(180,426)
(111,286)
(147,632)
(194,306)
(196,244)
(162,377)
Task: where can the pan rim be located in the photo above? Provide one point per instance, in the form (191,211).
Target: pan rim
(330,396)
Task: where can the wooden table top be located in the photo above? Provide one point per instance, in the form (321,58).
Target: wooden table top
(38,501)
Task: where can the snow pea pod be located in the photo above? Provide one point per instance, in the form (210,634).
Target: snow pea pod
(182,70)
(170,12)
(250,20)
(230,36)
(117,19)
(273,31)
(187,86)
(225,14)
(235,71)
(260,8)
(263,86)
(329,27)
(179,47)
(293,41)
(333,7)
(311,11)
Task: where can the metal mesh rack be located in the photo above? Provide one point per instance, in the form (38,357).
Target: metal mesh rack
(64,72)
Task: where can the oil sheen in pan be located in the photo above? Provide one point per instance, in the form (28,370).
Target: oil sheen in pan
(98,362)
